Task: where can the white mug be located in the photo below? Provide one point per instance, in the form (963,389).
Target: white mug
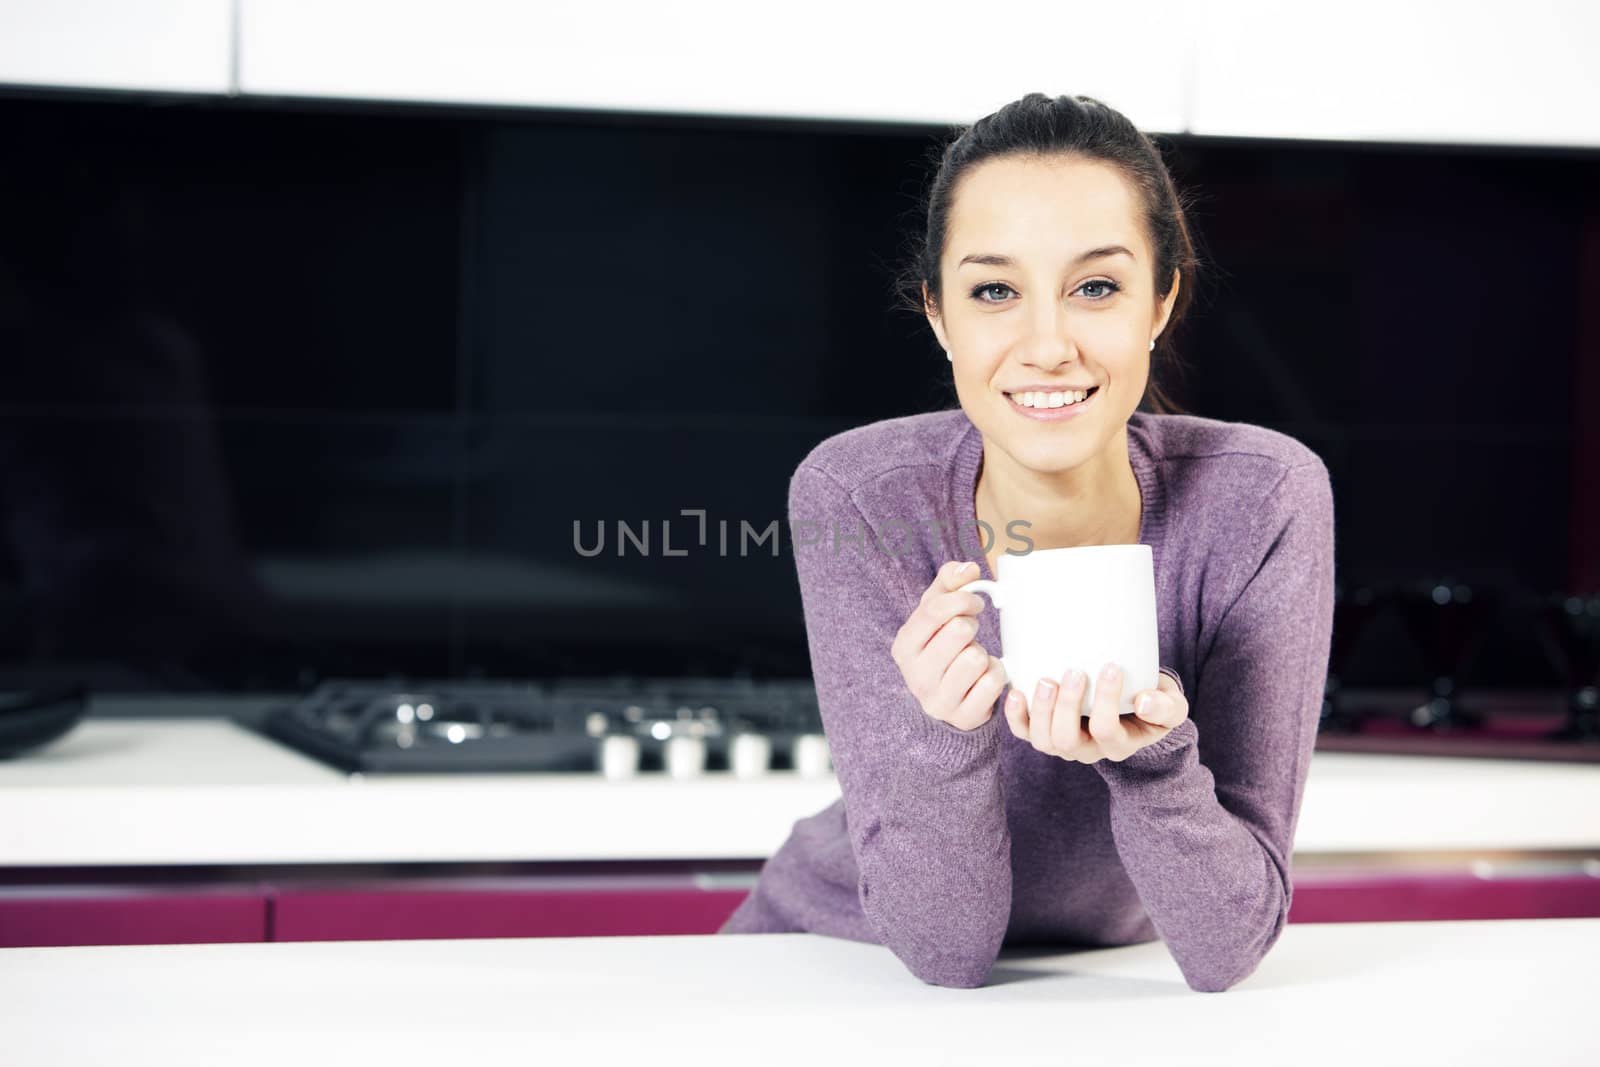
(1082,607)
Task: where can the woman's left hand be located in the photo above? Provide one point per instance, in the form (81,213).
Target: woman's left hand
(1053,721)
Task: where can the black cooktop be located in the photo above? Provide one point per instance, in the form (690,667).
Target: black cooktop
(368,726)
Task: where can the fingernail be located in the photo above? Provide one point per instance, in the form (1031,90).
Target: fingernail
(1011,699)
(1075,679)
(1109,672)
(1046,684)
(1139,705)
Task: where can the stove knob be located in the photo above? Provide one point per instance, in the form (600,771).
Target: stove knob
(750,755)
(686,756)
(811,756)
(619,756)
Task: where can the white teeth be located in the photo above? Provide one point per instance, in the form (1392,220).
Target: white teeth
(1049,400)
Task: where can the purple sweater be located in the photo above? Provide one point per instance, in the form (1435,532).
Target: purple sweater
(947,844)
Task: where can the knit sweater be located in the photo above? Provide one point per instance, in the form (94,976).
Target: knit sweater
(947,844)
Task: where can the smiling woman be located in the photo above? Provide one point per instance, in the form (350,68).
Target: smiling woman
(1055,260)
(1066,326)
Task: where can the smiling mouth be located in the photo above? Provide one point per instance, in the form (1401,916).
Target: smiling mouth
(1038,402)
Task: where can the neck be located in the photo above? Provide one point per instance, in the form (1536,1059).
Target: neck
(1095,503)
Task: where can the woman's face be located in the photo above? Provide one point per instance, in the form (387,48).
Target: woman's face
(1047,285)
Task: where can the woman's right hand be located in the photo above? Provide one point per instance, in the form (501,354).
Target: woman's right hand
(952,676)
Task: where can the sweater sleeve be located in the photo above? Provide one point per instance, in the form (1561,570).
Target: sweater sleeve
(923,801)
(1208,844)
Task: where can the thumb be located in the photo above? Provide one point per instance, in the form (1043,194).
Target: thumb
(955,574)
(1157,709)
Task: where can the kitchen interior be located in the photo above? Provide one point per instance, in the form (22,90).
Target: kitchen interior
(386,443)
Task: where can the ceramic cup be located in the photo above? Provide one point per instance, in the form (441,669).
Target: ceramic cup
(1084,607)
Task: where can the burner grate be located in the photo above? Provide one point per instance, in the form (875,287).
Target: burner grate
(552,727)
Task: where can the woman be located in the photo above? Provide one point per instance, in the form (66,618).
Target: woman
(1055,256)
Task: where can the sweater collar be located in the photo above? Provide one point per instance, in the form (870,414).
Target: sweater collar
(1143,456)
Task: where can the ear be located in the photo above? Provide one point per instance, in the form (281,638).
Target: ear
(934,320)
(1166,304)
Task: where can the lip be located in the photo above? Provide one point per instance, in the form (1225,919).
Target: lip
(1066,411)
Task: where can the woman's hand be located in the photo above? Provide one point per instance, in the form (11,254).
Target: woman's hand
(952,676)
(1054,726)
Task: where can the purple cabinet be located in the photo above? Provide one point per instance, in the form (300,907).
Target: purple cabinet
(1411,896)
(111,914)
(400,909)
(384,907)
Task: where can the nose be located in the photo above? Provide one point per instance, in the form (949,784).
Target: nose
(1049,343)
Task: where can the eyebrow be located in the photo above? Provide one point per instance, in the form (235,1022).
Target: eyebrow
(1006,261)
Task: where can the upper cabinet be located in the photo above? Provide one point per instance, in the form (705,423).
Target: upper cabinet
(1419,71)
(182,46)
(937,61)
(1523,73)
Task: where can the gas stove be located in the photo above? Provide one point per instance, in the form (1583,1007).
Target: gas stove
(618,727)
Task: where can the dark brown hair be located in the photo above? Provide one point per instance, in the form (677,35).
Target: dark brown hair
(1039,125)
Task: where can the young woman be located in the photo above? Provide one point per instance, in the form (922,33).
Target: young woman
(1056,257)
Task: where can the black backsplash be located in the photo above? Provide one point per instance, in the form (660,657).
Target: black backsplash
(301,392)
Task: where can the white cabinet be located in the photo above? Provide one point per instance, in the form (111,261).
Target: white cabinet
(1423,71)
(936,61)
(182,46)
(1429,71)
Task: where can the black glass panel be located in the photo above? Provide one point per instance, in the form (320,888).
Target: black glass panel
(297,392)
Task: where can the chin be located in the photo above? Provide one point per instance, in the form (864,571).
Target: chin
(1037,452)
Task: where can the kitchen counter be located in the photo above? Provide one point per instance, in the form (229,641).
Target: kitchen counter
(1442,992)
(160,791)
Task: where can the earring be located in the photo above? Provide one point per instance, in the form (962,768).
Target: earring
(1152,346)
(948,356)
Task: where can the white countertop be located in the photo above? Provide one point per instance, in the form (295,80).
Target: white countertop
(1488,992)
(210,791)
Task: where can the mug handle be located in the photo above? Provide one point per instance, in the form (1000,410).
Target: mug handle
(985,586)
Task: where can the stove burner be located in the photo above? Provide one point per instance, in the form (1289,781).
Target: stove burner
(617,726)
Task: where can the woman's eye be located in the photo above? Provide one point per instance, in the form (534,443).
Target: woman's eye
(1104,289)
(980,290)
